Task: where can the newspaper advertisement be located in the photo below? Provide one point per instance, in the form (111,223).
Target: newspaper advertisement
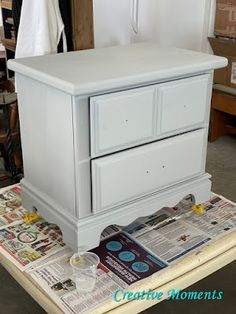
(160,218)
(171,233)
(25,244)
(128,255)
(220,217)
(126,259)
(10,206)
(56,278)
(123,262)
(49,259)
(168,235)
(109,231)
(173,240)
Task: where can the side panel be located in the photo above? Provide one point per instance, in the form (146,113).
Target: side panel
(82,155)
(47,141)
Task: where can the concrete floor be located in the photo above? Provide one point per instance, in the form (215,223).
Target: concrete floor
(221,164)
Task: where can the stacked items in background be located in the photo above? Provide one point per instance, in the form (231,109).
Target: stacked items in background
(224,43)
(223,113)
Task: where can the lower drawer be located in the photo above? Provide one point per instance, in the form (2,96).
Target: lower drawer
(125,176)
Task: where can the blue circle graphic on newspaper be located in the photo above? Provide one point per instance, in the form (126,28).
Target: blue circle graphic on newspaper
(140,267)
(126,256)
(114,246)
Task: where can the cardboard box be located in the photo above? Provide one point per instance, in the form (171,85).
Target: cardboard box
(225,19)
(225,48)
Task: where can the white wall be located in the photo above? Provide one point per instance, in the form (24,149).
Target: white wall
(112,22)
(180,23)
(173,22)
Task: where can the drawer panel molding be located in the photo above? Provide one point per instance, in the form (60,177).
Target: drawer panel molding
(129,175)
(123,119)
(130,118)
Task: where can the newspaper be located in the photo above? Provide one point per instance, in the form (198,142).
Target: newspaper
(115,271)
(160,218)
(66,251)
(25,244)
(126,259)
(10,205)
(128,255)
(220,217)
(111,230)
(168,235)
(171,233)
(56,278)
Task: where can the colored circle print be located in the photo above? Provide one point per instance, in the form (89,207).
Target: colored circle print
(140,267)
(114,246)
(27,236)
(126,256)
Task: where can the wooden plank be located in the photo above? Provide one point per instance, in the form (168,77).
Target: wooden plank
(82,24)
(224,102)
(217,125)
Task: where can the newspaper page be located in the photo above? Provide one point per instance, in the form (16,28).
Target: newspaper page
(220,217)
(165,237)
(173,240)
(128,255)
(11,209)
(123,262)
(171,233)
(161,217)
(126,259)
(109,231)
(66,251)
(25,244)
(56,278)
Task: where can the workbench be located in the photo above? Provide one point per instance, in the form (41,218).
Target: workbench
(181,275)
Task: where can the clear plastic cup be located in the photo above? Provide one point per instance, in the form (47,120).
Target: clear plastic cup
(84,267)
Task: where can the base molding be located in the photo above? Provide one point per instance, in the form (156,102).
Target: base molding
(86,232)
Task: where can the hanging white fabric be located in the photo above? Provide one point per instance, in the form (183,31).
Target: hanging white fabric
(40,29)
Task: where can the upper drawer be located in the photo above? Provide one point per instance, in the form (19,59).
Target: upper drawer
(183,103)
(128,175)
(123,119)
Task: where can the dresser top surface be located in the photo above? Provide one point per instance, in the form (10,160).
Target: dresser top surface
(98,70)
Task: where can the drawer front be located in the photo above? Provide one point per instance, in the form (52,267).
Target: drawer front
(183,103)
(123,119)
(129,175)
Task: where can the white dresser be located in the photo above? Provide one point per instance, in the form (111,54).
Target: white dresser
(112,134)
